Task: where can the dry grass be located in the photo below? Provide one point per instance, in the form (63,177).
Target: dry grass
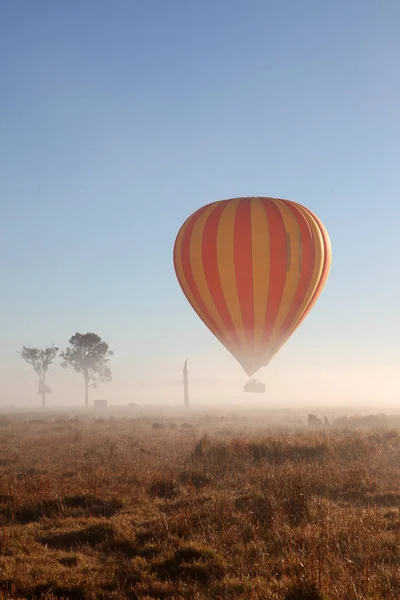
(123,509)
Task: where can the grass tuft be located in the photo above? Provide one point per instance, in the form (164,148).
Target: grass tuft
(90,536)
(304,591)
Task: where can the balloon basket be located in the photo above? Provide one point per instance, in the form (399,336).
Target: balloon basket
(255,387)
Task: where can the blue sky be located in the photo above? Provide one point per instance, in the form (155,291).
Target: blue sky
(118,119)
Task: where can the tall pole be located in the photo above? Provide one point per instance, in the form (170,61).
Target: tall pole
(186,385)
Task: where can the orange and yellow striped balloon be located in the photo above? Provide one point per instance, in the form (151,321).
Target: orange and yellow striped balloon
(252,269)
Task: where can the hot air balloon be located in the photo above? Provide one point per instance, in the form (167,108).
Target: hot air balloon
(252,269)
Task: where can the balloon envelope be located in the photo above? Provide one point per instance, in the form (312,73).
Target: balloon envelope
(252,269)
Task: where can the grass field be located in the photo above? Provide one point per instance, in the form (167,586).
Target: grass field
(131,509)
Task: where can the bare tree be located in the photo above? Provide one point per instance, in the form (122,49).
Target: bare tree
(40,359)
(88,355)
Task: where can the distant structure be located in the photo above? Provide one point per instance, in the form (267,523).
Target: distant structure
(314,422)
(186,385)
(100,404)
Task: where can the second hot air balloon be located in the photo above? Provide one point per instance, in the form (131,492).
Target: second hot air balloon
(252,269)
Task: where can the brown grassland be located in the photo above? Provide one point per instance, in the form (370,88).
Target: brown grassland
(124,508)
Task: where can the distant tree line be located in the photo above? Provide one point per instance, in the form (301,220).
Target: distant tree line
(86,353)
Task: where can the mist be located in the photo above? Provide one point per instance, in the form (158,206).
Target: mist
(342,389)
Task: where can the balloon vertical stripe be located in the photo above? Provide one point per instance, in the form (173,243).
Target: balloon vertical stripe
(211,269)
(307,255)
(242,248)
(326,253)
(226,267)
(261,253)
(319,251)
(292,274)
(198,270)
(186,258)
(277,268)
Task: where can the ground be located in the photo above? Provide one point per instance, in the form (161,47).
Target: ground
(197,507)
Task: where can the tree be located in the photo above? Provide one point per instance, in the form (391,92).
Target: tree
(40,359)
(88,355)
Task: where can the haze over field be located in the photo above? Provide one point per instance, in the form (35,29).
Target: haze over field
(117,123)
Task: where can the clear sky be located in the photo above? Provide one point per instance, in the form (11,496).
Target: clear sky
(119,119)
